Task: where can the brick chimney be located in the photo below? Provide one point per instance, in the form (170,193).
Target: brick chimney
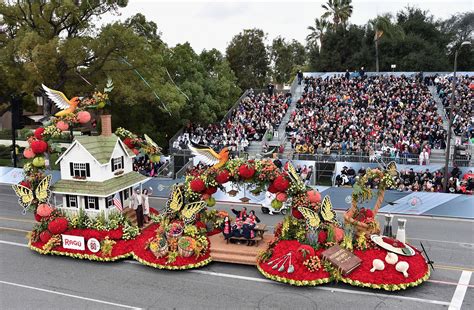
(106,123)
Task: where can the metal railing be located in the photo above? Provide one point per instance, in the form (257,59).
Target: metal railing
(182,172)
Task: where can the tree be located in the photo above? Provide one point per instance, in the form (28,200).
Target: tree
(248,58)
(321,25)
(339,10)
(382,26)
(285,56)
(460,28)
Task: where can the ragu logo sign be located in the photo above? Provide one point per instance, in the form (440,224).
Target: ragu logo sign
(73,242)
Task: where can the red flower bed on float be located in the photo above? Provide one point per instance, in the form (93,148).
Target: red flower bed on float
(389,278)
(121,249)
(301,276)
(146,257)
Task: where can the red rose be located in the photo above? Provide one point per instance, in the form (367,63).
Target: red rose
(58,225)
(272,189)
(135,151)
(211,190)
(45,236)
(129,143)
(39,146)
(39,133)
(223,177)
(322,237)
(38,217)
(200,225)
(281,184)
(296,214)
(197,185)
(246,172)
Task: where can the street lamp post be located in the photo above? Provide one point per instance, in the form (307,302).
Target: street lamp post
(450,116)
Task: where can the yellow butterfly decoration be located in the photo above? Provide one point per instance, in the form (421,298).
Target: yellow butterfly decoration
(190,210)
(392,169)
(294,175)
(26,196)
(311,217)
(326,214)
(176,200)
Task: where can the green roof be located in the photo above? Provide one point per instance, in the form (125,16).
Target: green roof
(101,147)
(101,189)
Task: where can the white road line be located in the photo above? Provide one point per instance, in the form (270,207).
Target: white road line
(68,295)
(261,280)
(441,241)
(460,292)
(14,243)
(322,288)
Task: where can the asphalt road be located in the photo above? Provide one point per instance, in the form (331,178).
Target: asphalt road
(30,280)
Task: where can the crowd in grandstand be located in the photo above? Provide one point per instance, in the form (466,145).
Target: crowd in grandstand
(255,114)
(395,115)
(144,166)
(463,112)
(413,181)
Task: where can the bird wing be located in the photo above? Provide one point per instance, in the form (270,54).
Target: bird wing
(57,97)
(150,141)
(205,154)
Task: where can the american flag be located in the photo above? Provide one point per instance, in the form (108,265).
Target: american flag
(117,202)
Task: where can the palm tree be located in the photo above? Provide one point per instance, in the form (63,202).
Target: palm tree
(317,32)
(339,10)
(383,25)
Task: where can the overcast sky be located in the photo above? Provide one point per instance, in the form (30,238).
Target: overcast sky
(212,24)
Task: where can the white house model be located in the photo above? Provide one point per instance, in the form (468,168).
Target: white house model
(94,169)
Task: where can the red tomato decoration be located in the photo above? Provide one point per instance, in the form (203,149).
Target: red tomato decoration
(272,189)
(28,153)
(322,237)
(282,197)
(63,126)
(314,196)
(296,214)
(44,210)
(339,234)
(197,185)
(58,225)
(281,183)
(39,133)
(211,190)
(223,177)
(39,146)
(246,172)
(45,236)
(37,217)
(129,143)
(25,184)
(83,117)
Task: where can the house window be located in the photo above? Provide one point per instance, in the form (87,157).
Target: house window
(80,170)
(117,163)
(110,202)
(92,203)
(71,201)
(126,193)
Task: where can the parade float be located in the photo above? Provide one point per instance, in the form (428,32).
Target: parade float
(93,219)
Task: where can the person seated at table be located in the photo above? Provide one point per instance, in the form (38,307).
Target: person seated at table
(254,217)
(227,228)
(242,214)
(237,228)
(248,228)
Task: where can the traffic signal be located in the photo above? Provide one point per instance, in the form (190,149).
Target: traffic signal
(17,113)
